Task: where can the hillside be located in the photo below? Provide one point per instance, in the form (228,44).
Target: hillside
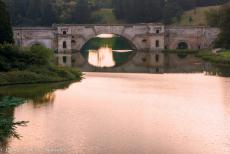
(105,16)
(195,17)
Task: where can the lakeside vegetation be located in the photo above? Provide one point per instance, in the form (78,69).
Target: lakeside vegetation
(13,96)
(33,65)
(221,58)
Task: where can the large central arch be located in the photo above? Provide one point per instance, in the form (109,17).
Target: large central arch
(118,48)
(81,40)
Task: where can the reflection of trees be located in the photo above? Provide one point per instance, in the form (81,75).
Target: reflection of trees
(12,96)
(47,98)
(7,124)
(38,93)
(219,71)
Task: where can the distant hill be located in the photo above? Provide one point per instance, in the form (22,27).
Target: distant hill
(195,17)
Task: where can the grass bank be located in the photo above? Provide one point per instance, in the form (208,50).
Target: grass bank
(34,65)
(221,59)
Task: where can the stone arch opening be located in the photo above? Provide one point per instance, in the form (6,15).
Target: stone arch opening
(108,50)
(182,45)
(37,44)
(64,45)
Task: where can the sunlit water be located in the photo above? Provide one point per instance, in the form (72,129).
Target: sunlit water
(107,50)
(103,57)
(130,114)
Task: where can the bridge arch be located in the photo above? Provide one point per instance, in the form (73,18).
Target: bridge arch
(126,54)
(82,40)
(32,43)
(180,44)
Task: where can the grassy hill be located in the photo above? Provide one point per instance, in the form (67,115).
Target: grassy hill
(192,17)
(195,17)
(105,16)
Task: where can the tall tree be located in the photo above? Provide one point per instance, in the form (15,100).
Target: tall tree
(6,33)
(224,21)
(172,10)
(47,13)
(82,12)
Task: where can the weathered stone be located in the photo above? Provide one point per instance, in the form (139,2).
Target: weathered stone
(147,39)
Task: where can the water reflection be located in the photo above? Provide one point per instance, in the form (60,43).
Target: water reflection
(103,57)
(107,50)
(132,113)
(13,96)
(7,124)
(36,93)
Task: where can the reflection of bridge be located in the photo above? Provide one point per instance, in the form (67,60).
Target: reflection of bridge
(68,40)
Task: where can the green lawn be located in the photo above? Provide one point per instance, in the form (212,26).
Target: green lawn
(195,17)
(221,59)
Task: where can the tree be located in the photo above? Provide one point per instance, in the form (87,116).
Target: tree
(171,10)
(47,13)
(82,12)
(224,21)
(6,33)
(138,10)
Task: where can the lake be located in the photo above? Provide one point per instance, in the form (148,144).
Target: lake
(123,113)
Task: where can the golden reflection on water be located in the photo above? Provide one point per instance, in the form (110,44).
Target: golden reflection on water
(133,114)
(103,57)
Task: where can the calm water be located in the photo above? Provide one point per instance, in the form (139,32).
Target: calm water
(126,113)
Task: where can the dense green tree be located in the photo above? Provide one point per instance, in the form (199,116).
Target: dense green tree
(224,23)
(172,10)
(6,33)
(139,10)
(82,12)
(47,13)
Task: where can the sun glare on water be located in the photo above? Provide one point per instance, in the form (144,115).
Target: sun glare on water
(103,57)
(106,36)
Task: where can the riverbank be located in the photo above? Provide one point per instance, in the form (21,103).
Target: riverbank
(39,76)
(221,59)
(34,65)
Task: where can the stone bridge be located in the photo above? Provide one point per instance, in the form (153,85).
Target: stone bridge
(147,39)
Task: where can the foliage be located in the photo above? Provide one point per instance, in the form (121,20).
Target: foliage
(104,16)
(13,57)
(212,17)
(223,40)
(7,124)
(197,16)
(156,10)
(6,33)
(81,13)
(34,65)
(220,59)
(171,10)
(138,10)
(46,12)
(10,101)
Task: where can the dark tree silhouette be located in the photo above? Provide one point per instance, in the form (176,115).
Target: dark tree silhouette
(6,33)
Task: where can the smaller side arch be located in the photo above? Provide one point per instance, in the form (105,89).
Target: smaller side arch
(182,45)
(37,43)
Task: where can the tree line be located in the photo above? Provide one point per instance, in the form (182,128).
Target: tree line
(156,10)
(47,12)
(221,18)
